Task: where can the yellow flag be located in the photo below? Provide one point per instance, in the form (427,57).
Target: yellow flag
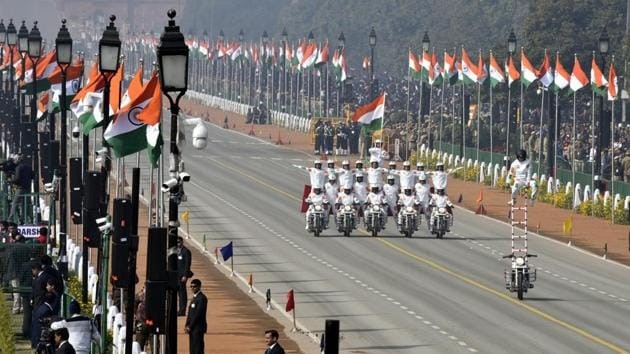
(185,216)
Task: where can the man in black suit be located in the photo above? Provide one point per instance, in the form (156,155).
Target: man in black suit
(183,273)
(273,347)
(61,340)
(196,324)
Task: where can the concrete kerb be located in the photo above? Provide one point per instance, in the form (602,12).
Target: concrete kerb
(226,271)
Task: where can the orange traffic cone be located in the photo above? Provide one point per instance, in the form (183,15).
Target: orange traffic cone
(250,282)
(481,210)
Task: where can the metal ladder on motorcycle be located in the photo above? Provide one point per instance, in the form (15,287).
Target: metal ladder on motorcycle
(519,242)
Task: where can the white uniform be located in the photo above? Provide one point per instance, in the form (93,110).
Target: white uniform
(396,175)
(316,199)
(377,199)
(423,194)
(521,173)
(440,201)
(360,191)
(317,176)
(375,176)
(440,179)
(391,196)
(407,179)
(406,201)
(345,199)
(377,154)
(331,192)
(345,177)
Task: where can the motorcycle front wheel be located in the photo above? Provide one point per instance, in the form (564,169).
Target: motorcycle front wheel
(519,285)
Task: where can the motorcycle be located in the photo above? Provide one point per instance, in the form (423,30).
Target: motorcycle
(409,221)
(441,218)
(520,277)
(375,218)
(346,219)
(317,219)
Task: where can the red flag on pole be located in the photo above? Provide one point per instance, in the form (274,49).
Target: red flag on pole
(290,301)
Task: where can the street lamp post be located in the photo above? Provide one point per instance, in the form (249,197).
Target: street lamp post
(3,36)
(172,55)
(11,42)
(342,45)
(372,41)
(108,63)
(426,43)
(34,49)
(310,80)
(241,92)
(221,44)
(603,46)
(285,41)
(511,49)
(63,46)
(263,71)
(22,43)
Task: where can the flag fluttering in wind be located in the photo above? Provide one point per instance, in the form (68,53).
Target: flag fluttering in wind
(137,125)
(450,68)
(578,77)
(226,251)
(414,66)
(529,74)
(613,88)
(290,301)
(598,81)
(545,73)
(469,70)
(371,114)
(512,72)
(561,76)
(87,100)
(496,74)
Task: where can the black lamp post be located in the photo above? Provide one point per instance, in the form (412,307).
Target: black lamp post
(63,47)
(285,42)
(603,46)
(11,42)
(3,36)
(221,39)
(108,63)
(263,72)
(34,50)
(372,41)
(511,45)
(172,55)
(311,81)
(22,43)
(426,43)
(342,45)
(241,36)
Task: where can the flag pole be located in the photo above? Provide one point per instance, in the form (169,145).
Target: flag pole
(595,152)
(463,147)
(509,112)
(232,261)
(453,105)
(407,130)
(555,150)
(419,111)
(540,134)
(612,141)
(491,126)
(520,120)
(429,119)
(478,109)
(440,138)
(573,146)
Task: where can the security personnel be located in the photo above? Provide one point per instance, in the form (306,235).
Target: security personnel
(196,325)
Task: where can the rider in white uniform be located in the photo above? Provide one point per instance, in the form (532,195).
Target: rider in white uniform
(377,153)
(439,177)
(316,197)
(375,197)
(520,176)
(391,194)
(375,175)
(317,175)
(345,175)
(332,189)
(406,176)
(423,194)
(360,189)
(391,171)
(440,200)
(421,169)
(345,198)
(407,199)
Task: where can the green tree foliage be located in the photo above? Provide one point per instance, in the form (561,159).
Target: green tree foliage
(7,343)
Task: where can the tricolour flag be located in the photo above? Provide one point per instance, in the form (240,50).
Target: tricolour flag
(371,114)
(528,72)
(598,81)
(309,56)
(512,72)
(366,63)
(137,125)
(42,107)
(561,76)
(482,72)
(496,74)
(85,101)
(578,77)
(74,74)
(414,66)
(613,87)
(435,75)
(450,68)
(468,69)
(322,56)
(545,72)
(135,87)
(426,66)
(45,67)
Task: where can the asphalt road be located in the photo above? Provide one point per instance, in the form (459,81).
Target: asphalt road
(392,294)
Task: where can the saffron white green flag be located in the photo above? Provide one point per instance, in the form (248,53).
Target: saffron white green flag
(137,125)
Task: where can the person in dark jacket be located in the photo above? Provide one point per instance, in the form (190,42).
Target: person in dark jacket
(196,325)
(273,347)
(42,313)
(61,340)
(184,260)
(22,180)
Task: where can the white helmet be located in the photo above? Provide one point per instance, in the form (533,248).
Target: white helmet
(406,163)
(392,163)
(422,176)
(345,162)
(317,162)
(377,141)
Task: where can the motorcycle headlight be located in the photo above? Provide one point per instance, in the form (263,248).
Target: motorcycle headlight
(442,210)
(347,208)
(519,261)
(409,209)
(376,208)
(318,208)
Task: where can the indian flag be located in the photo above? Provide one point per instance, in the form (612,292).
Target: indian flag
(414,66)
(309,57)
(598,81)
(613,88)
(450,68)
(561,76)
(482,73)
(85,101)
(42,107)
(74,75)
(468,69)
(528,72)
(496,74)
(45,67)
(426,66)
(371,115)
(135,87)
(512,72)
(545,73)
(578,77)
(137,125)
(322,56)
(435,75)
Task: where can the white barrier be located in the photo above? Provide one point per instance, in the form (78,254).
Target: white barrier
(587,193)
(550,185)
(576,196)
(606,198)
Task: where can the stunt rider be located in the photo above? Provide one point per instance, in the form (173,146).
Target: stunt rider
(377,153)
(407,177)
(407,199)
(317,175)
(391,170)
(375,174)
(345,198)
(521,170)
(360,192)
(375,197)
(440,200)
(332,189)
(316,197)
(345,175)
(423,194)
(391,194)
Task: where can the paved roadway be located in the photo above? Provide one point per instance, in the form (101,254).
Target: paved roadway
(392,294)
